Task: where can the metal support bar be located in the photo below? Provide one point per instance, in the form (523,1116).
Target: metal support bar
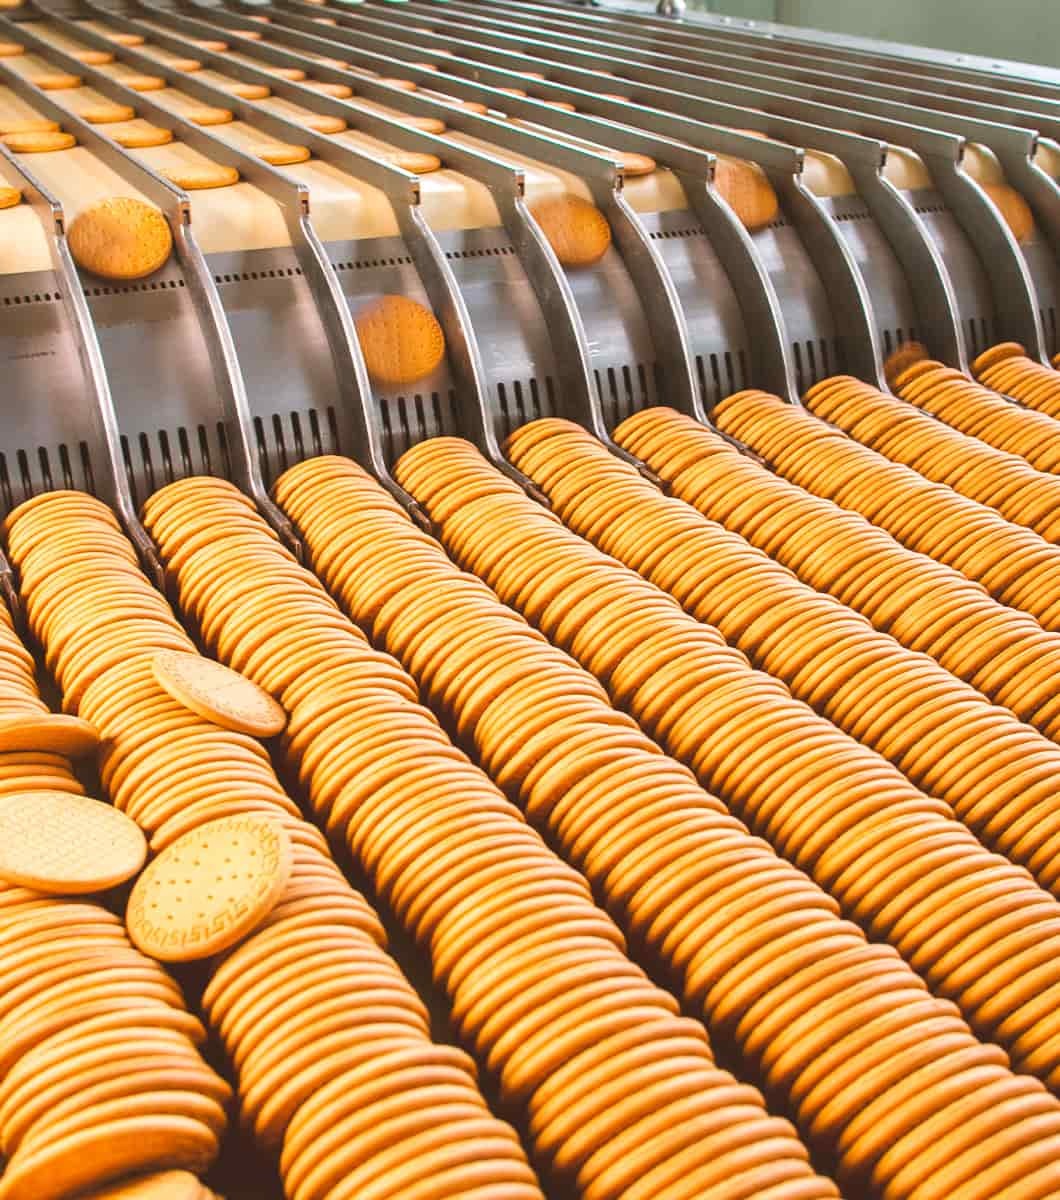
(900,223)
(175,204)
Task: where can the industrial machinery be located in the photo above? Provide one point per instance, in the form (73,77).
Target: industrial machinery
(586,212)
(244,344)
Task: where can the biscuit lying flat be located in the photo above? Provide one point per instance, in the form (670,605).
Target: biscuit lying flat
(198,178)
(120,238)
(401,340)
(139,135)
(28,125)
(56,81)
(280,154)
(576,230)
(340,91)
(38,143)
(11,49)
(207,115)
(9,196)
(103,112)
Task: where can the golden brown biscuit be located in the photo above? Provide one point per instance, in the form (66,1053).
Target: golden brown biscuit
(248,91)
(139,135)
(121,238)
(635,164)
(576,230)
(414,161)
(281,154)
(9,196)
(28,125)
(218,693)
(209,888)
(210,44)
(323,124)
(125,39)
(92,58)
(340,91)
(747,191)
(106,113)
(401,340)
(63,844)
(38,143)
(902,359)
(57,81)
(208,115)
(11,49)
(1014,209)
(201,178)
(144,83)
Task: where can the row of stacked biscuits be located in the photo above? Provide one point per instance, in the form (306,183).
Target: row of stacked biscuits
(307,1005)
(100,1059)
(538,725)
(87,651)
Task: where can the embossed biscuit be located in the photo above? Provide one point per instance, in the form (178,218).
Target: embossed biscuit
(209,888)
(401,340)
(577,231)
(218,693)
(121,238)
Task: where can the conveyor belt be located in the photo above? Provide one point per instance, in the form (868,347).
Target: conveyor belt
(627,451)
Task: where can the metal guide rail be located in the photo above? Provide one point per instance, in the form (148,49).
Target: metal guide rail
(425,137)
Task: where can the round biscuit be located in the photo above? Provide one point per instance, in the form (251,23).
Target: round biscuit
(48,733)
(62,844)
(121,238)
(1015,211)
(9,196)
(210,888)
(401,340)
(576,230)
(208,115)
(38,143)
(57,81)
(139,135)
(106,113)
(28,125)
(201,178)
(281,154)
(218,694)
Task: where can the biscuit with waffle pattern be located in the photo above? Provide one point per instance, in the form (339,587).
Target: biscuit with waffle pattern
(62,844)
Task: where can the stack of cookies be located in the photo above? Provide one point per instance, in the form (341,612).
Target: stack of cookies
(1007,369)
(962,403)
(925,605)
(100,1072)
(301,994)
(1014,564)
(651,841)
(973,468)
(614,1088)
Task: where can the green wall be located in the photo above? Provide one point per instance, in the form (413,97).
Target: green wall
(1025,30)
